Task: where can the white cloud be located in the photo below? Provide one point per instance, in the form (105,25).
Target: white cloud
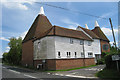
(23,34)
(68,21)
(106,15)
(7,50)
(17,4)
(8,47)
(3,38)
(113,42)
(71,24)
(108,31)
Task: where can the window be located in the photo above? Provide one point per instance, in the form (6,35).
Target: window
(59,54)
(90,54)
(82,54)
(105,46)
(71,41)
(89,43)
(39,44)
(75,54)
(81,42)
(67,54)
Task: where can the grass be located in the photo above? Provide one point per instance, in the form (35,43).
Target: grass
(71,69)
(108,74)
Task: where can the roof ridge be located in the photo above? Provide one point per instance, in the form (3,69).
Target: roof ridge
(67,28)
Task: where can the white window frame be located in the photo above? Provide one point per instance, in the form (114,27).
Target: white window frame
(82,54)
(75,54)
(71,41)
(81,42)
(89,54)
(89,43)
(59,55)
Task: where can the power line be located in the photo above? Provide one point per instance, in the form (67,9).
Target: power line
(71,10)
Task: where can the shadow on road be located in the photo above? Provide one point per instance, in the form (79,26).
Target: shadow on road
(48,79)
(21,70)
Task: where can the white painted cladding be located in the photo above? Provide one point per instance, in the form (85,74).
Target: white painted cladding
(49,47)
(46,50)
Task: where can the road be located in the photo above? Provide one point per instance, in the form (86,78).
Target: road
(84,73)
(15,73)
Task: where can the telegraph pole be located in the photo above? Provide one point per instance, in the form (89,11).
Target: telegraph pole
(113,33)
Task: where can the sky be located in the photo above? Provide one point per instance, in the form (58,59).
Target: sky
(17,17)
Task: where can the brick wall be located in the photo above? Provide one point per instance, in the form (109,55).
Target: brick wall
(89,61)
(27,53)
(59,64)
(37,62)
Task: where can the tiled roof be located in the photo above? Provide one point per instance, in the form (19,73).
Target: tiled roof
(65,32)
(38,28)
(89,32)
(41,27)
(100,33)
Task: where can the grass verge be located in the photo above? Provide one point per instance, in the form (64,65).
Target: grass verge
(72,68)
(108,74)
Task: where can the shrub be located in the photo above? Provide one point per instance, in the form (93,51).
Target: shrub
(101,61)
(109,63)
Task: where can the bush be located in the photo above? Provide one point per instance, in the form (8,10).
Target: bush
(101,61)
(109,63)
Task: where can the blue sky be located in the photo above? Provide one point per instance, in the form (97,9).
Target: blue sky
(17,17)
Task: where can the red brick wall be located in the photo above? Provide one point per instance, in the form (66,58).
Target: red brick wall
(102,43)
(68,63)
(51,64)
(89,61)
(37,62)
(59,64)
(27,53)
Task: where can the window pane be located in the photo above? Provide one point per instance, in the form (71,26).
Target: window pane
(71,41)
(89,43)
(81,42)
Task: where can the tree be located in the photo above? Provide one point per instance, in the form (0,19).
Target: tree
(15,53)
(5,57)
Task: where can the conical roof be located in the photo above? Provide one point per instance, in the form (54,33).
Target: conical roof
(39,26)
(100,33)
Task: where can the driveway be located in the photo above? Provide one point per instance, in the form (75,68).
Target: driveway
(81,73)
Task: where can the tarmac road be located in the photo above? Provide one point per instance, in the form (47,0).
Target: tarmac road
(15,73)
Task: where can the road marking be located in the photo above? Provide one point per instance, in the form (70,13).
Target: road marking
(74,73)
(48,73)
(3,67)
(79,76)
(14,71)
(93,69)
(29,76)
(74,76)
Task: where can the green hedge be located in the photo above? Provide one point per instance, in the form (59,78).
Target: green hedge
(109,63)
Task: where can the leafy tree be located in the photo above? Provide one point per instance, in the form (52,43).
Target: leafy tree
(5,57)
(15,53)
